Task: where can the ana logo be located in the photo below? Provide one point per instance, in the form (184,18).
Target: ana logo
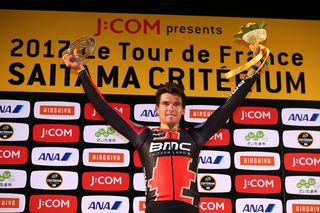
(12,179)
(302,185)
(263,205)
(105,181)
(220,138)
(198,113)
(259,138)
(146,112)
(10,202)
(51,203)
(300,139)
(302,162)
(14,109)
(105,203)
(256,115)
(106,157)
(300,117)
(215,204)
(54,180)
(303,206)
(13,155)
(257,160)
(57,110)
(214,183)
(258,184)
(214,159)
(91,114)
(55,156)
(103,134)
(56,133)
(14,132)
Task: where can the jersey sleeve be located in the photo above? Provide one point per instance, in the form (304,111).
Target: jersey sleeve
(202,132)
(132,131)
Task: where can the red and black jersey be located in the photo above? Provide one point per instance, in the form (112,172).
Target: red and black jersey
(169,157)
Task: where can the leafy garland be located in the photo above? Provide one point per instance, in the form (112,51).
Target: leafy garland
(249,27)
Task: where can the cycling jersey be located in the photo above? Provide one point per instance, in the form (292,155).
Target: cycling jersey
(169,157)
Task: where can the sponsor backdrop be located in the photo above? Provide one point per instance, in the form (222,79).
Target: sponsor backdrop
(57,154)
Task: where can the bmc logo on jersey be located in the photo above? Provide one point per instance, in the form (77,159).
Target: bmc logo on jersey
(256,115)
(91,114)
(146,112)
(11,202)
(302,162)
(55,110)
(300,117)
(105,203)
(59,133)
(215,204)
(13,155)
(258,184)
(52,203)
(14,109)
(105,181)
(261,205)
(220,138)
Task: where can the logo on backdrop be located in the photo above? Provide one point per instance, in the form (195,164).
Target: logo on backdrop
(300,117)
(57,110)
(59,133)
(14,108)
(55,156)
(11,202)
(263,205)
(105,203)
(257,160)
(53,203)
(255,115)
(13,155)
(14,131)
(106,157)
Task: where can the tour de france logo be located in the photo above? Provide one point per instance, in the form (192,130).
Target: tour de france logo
(207,182)
(6,131)
(54,180)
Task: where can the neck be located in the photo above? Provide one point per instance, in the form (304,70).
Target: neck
(166,126)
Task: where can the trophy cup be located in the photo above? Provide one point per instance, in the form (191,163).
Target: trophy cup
(82,48)
(253,34)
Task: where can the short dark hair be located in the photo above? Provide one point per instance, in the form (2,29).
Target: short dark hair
(172,88)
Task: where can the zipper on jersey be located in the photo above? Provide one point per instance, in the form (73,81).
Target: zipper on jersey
(172,164)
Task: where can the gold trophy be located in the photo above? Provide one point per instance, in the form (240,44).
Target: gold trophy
(254,34)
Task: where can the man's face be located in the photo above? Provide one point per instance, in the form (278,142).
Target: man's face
(170,109)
